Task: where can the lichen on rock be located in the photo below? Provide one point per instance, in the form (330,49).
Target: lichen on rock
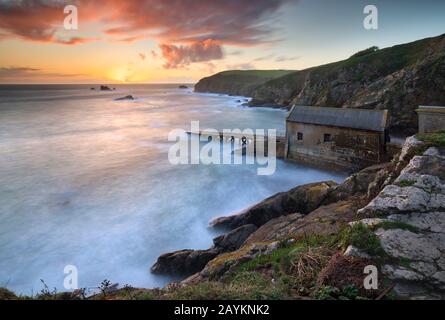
(415,206)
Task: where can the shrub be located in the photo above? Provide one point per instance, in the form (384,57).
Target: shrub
(5,294)
(327,293)
(436,138)
(361,237)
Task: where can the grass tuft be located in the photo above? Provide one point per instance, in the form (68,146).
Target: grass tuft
(436,138)
(406,183)
(362,237)
(388,225)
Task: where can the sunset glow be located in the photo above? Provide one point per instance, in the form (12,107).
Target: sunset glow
(183,41)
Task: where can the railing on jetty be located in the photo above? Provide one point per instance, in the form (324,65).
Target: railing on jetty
(243,138)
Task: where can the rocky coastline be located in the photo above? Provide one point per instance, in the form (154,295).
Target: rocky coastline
(401,204)
(398,79)
(313,241)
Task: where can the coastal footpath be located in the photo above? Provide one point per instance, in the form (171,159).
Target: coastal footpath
(398,79)
(314,241)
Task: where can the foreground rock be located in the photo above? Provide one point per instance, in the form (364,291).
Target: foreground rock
(226,263)
(234,239)
(187,262)
(183,262)
(367,182)
(302,199)
(413,211)
(306,198)
(331,206)
(419,188)
(325,220)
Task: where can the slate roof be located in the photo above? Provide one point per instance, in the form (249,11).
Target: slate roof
(362,119)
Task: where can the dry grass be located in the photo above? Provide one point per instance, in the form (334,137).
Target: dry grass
(305,264)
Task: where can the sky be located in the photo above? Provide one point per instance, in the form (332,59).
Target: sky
(181,41)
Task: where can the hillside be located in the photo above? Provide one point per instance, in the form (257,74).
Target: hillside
(238,82)
(398,78)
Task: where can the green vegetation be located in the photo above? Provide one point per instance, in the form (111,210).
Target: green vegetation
(288,272)
(365,52)
(406,183)
(404,262)
(244,285)
(5,294)
(269,74)
(362,237)
(349,292)
(435,139)
(238,82)
(327,293)
(387,225)
(386,61)
(365,66)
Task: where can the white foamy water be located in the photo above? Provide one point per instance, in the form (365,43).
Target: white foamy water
(86,181)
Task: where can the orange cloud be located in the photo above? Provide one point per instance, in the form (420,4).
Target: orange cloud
(180,56)
(169,21)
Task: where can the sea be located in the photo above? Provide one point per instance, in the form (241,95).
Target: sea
(86,181)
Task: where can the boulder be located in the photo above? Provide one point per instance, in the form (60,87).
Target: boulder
(302,199)
(413,236)
(226,263)
(183,262)
(395,199)
(419,187)
(426,222)
(325,220)
(432,163)
(105,88)
(352,251)
(234,239)
(405,244)
(358,183)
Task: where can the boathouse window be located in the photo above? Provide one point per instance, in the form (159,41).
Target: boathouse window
(299,136)
(327,137)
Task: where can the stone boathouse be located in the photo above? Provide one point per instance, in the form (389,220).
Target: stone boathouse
(353,138)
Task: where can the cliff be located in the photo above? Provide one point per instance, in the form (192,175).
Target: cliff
(398,78)
(238,83)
